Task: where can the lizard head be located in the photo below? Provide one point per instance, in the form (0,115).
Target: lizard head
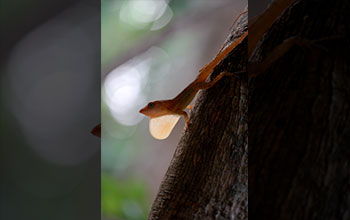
(154,109)
(162,120)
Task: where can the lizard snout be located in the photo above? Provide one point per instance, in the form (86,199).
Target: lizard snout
(142,111)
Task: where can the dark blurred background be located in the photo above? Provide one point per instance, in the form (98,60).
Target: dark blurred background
(50,100)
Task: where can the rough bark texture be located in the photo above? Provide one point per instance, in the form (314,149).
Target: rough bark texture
(208,176)
(299,124)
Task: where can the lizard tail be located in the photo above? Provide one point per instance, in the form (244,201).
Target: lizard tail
(207,69)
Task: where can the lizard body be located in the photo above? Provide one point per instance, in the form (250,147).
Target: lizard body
(164,114)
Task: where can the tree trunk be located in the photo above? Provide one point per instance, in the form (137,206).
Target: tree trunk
(208,175)
(299,124)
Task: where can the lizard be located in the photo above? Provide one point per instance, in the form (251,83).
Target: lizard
(164,114)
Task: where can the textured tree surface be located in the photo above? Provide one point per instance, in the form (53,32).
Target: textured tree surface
(299,118)
(208,175)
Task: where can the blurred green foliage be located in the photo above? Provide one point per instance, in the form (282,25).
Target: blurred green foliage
(119,36)
(126,199)
(122,195)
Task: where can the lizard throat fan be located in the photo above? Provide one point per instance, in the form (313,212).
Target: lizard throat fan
(161,127)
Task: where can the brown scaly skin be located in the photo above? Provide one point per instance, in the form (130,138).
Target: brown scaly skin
(178,104)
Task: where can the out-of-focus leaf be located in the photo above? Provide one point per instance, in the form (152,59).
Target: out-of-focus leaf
(125,200)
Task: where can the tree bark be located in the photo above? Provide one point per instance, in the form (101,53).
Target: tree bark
(208,175)
(299,124)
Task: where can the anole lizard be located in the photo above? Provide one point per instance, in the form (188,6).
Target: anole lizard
(164,114)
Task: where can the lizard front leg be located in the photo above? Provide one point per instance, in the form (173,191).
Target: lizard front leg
(185,116)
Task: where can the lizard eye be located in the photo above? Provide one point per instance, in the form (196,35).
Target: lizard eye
(150,105)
